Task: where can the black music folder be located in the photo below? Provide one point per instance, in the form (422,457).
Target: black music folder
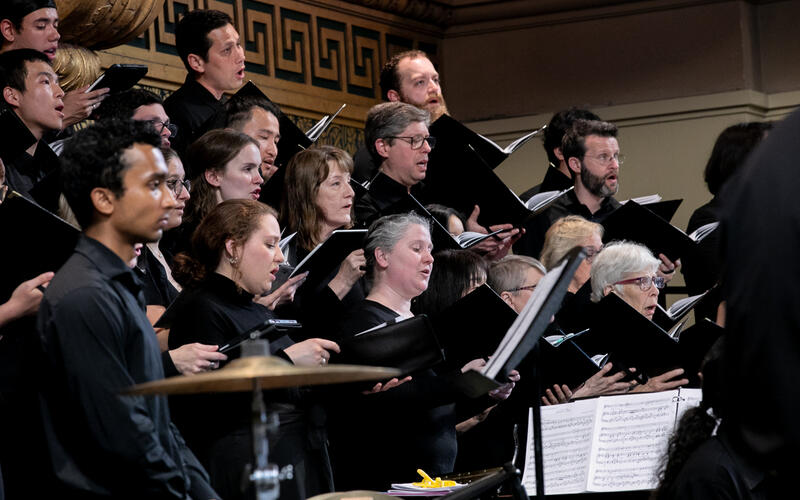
(634,222)
(35,241)
(409,345)
(441,237)
(473,326)
(633,341)
(460,178)
(562,361)
(527,328)
(666,318)
(450,133)
(328,255)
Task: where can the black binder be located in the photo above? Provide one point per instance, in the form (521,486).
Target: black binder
(634,222)
(35,241)
(408,345)
(632,340)
(328,255)
(473,326)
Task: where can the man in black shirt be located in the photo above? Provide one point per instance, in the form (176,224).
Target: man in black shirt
(96,339)
(397,138)
(31,92)
(209,47)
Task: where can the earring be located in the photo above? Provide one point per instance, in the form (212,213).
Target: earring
(233,261)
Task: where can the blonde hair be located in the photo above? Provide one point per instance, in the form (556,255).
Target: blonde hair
(564,235)
(76,66)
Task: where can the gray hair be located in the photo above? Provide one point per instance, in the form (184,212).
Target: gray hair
(389,119)
(617,259)
(564,235)
(509,272)
(384,233)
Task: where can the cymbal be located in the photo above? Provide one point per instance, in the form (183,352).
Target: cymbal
(240,374)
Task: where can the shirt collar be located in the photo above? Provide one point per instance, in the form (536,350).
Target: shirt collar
(108,263)
(194,88)
(228,288)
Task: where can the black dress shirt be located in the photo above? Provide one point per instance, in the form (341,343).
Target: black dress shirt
(96,341)
(532,241)
(195,111)
(364,167)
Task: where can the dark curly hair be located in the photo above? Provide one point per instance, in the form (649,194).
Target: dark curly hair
(574,142)
(191,34)
(731,149)
(95,158)
(124,104)
(230,220)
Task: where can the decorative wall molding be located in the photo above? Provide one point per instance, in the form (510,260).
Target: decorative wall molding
(307,58)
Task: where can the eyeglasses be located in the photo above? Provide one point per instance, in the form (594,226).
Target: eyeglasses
(521,288)
(605,158)
(177,185)
(591,252)
(645,282)
(416,141)
(160,126)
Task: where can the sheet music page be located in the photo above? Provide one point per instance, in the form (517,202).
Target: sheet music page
(566,444)
(630,440)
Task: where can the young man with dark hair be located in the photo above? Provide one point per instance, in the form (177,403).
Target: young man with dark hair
(209,47)
(31,92)
(33,24)
(95,337)
(558,176)
(259,119)
(407,77)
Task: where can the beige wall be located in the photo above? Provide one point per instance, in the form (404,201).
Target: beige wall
(671,75)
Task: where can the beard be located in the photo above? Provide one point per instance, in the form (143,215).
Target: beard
(596,184)
(437,111)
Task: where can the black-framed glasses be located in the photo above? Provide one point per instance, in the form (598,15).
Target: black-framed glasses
(605,158)
(416,141)
(177,185)
(645,282)
(160,126)
(521,288)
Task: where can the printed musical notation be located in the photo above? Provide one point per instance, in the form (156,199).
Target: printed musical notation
(606,444)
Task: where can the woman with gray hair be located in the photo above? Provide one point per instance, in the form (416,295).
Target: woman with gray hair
(629,270)
(412,425)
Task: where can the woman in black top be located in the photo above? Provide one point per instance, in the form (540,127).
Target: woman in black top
(319,200)
(380,438)
(234,257)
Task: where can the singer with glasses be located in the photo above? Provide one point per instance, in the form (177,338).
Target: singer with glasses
(629,270)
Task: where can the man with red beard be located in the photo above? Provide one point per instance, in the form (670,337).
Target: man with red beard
(407,77)
(591,152)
